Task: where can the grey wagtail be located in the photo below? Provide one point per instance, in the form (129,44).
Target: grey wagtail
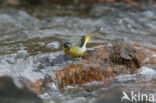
(77,46)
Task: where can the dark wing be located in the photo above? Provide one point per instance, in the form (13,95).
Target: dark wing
(75,41)
(82,40)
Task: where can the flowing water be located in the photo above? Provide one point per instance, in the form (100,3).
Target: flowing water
(31,38)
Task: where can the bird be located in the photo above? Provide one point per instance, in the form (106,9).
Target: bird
(76,46)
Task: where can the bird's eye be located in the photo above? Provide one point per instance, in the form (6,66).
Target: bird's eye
(67,45)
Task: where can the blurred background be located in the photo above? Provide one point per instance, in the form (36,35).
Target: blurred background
(77,2)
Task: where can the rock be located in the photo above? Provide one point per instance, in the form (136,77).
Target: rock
(52,60)
(150,54)
(37,85)
(112,95)
(123,53)
(104,61)
(76,100)
(12,91)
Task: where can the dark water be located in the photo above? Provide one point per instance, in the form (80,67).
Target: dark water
(28,35)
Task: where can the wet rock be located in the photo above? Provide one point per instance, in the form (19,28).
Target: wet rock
(112,95)
(34,86)
(12,91)
(76,100)
(103,62)
(52,60)
(123,53)
(38,85)
(150,53)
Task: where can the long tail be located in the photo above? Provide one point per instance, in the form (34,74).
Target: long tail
(87,37)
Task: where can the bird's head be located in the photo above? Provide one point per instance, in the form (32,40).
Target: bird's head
(67,45)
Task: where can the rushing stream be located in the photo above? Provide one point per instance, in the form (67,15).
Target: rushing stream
(31,38)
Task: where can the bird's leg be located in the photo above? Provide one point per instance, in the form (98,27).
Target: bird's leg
(75,60)
(80,59)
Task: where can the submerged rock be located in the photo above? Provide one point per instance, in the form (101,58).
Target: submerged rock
(103,62)
(12,91)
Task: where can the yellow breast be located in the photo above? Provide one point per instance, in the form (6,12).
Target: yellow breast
(75,51)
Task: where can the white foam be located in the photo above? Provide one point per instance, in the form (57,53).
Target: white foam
(146,71)
(142,73)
